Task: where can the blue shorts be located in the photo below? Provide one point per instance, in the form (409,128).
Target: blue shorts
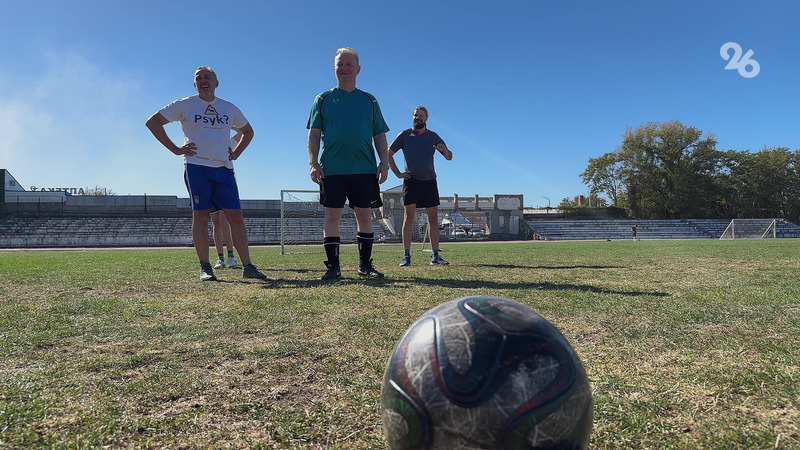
(211,187)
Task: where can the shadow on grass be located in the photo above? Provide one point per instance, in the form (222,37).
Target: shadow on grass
(295,270)
(493,266)
(460,284)
(270,282)
(516,266)
(546,286)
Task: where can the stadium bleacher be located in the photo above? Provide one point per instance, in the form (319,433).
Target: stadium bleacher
(32,232)
(24,232)
(615,229)
(70,231)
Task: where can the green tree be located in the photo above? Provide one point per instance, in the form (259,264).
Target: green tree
(567,202)
(97,190)
(661,170)
(766,183)
(604,176)
(669,170)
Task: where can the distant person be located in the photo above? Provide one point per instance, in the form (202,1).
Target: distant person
(221,229)
(633,232)
(206,121)
(420,188)
(222,239)
(344,123)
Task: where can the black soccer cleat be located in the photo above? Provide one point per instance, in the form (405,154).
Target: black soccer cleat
(206,272)
(368,270)
(332,273)
(251,271)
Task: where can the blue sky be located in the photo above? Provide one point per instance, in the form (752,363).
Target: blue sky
(523,92)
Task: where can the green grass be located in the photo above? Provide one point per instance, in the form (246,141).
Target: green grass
(687,344)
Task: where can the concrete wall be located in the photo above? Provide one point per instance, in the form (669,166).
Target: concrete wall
(26,202)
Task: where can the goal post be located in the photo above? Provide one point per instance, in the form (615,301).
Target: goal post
(302,218)
(751,229)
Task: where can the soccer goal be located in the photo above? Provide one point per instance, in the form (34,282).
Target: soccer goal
(302,219)
(750,229)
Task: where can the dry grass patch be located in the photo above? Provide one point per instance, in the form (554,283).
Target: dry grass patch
(686,344)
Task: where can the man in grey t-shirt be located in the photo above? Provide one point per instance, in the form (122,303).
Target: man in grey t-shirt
(419,145)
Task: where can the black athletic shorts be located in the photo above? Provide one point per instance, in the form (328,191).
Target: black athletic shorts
(360,190)
(423,193)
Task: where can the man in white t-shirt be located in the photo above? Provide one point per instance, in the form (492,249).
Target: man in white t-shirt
(206,121)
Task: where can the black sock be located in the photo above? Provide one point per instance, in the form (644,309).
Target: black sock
(365,246)
(221,258)
(332,250)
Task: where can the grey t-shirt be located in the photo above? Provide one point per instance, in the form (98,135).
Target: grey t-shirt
(418,152)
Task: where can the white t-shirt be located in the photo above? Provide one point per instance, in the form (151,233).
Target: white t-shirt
(208,125)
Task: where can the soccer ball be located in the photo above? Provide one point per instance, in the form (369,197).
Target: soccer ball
(485,372)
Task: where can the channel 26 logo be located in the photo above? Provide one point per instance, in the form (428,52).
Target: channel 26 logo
(739,62)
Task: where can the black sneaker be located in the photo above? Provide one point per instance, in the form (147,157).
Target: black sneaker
(206,272)
(367,270)
(332,273)
(251,271)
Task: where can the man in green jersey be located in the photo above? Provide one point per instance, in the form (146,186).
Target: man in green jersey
(344,123)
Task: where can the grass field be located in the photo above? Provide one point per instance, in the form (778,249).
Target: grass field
(687,344)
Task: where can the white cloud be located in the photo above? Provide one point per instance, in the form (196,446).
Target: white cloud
(79,124)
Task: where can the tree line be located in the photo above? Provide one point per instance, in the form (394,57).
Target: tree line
(667,170)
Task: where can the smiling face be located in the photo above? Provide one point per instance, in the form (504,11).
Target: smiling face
(420,119)
(347,69)
(205,81)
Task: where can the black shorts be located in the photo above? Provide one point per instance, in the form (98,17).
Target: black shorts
(360,190)
(423,193)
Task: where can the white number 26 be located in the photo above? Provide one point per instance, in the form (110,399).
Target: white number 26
(739,62)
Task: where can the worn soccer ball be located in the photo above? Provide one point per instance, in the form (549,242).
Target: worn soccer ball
(485,372)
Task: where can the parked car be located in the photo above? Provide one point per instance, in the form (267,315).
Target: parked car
(477,233)
(459,233)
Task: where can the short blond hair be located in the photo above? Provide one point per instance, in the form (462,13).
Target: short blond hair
(207,69)
(347,51)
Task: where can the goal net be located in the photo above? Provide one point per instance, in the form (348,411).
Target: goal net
(750,229)
(302,218)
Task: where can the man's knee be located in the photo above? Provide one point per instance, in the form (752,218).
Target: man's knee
(363,217)
(201,215)
(333,214)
